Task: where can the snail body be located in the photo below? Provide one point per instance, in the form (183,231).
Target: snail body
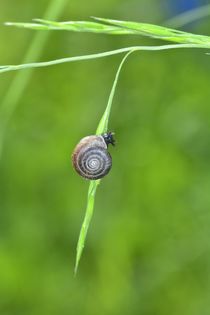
(91,158)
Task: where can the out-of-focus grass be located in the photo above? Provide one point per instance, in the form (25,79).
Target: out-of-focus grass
(18,84)
(189,16)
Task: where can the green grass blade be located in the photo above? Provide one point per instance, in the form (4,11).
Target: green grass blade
(31,26)
(159,32)
(103,124)
(85,225)
(6,68)
(102,127)
(75,26)
(109,26)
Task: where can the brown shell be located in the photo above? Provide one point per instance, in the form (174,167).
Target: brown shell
(91,159)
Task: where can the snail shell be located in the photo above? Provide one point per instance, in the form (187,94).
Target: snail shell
(90,157)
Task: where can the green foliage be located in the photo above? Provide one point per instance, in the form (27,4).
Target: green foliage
(120,27)
(151,227)
(102,128)
(18,84)
(8,68)
(187,40)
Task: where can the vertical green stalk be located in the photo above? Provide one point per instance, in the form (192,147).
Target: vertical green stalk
(103,124)
(85,225)
(19,82)
(102,128)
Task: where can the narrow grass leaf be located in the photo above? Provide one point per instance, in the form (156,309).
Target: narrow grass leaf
(75,26)
(6,68)
(85,225)
(103,124)
(159,32)
(109,26)
(32,26)
(102,127)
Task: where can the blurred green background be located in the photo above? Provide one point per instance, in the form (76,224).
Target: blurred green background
(148,245)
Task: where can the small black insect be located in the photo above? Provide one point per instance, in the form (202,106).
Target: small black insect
(108,138)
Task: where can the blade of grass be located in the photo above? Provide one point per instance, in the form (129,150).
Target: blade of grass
(75,26)
(6,68)
(102,128)
(86,222)
(20,81)
(103,124)
(159,32)
(109,26)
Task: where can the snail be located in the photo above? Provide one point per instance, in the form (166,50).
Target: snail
(90,157)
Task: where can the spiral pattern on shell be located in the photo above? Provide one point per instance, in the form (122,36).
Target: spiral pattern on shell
(91,158)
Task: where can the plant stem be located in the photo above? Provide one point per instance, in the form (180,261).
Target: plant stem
(102,127)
